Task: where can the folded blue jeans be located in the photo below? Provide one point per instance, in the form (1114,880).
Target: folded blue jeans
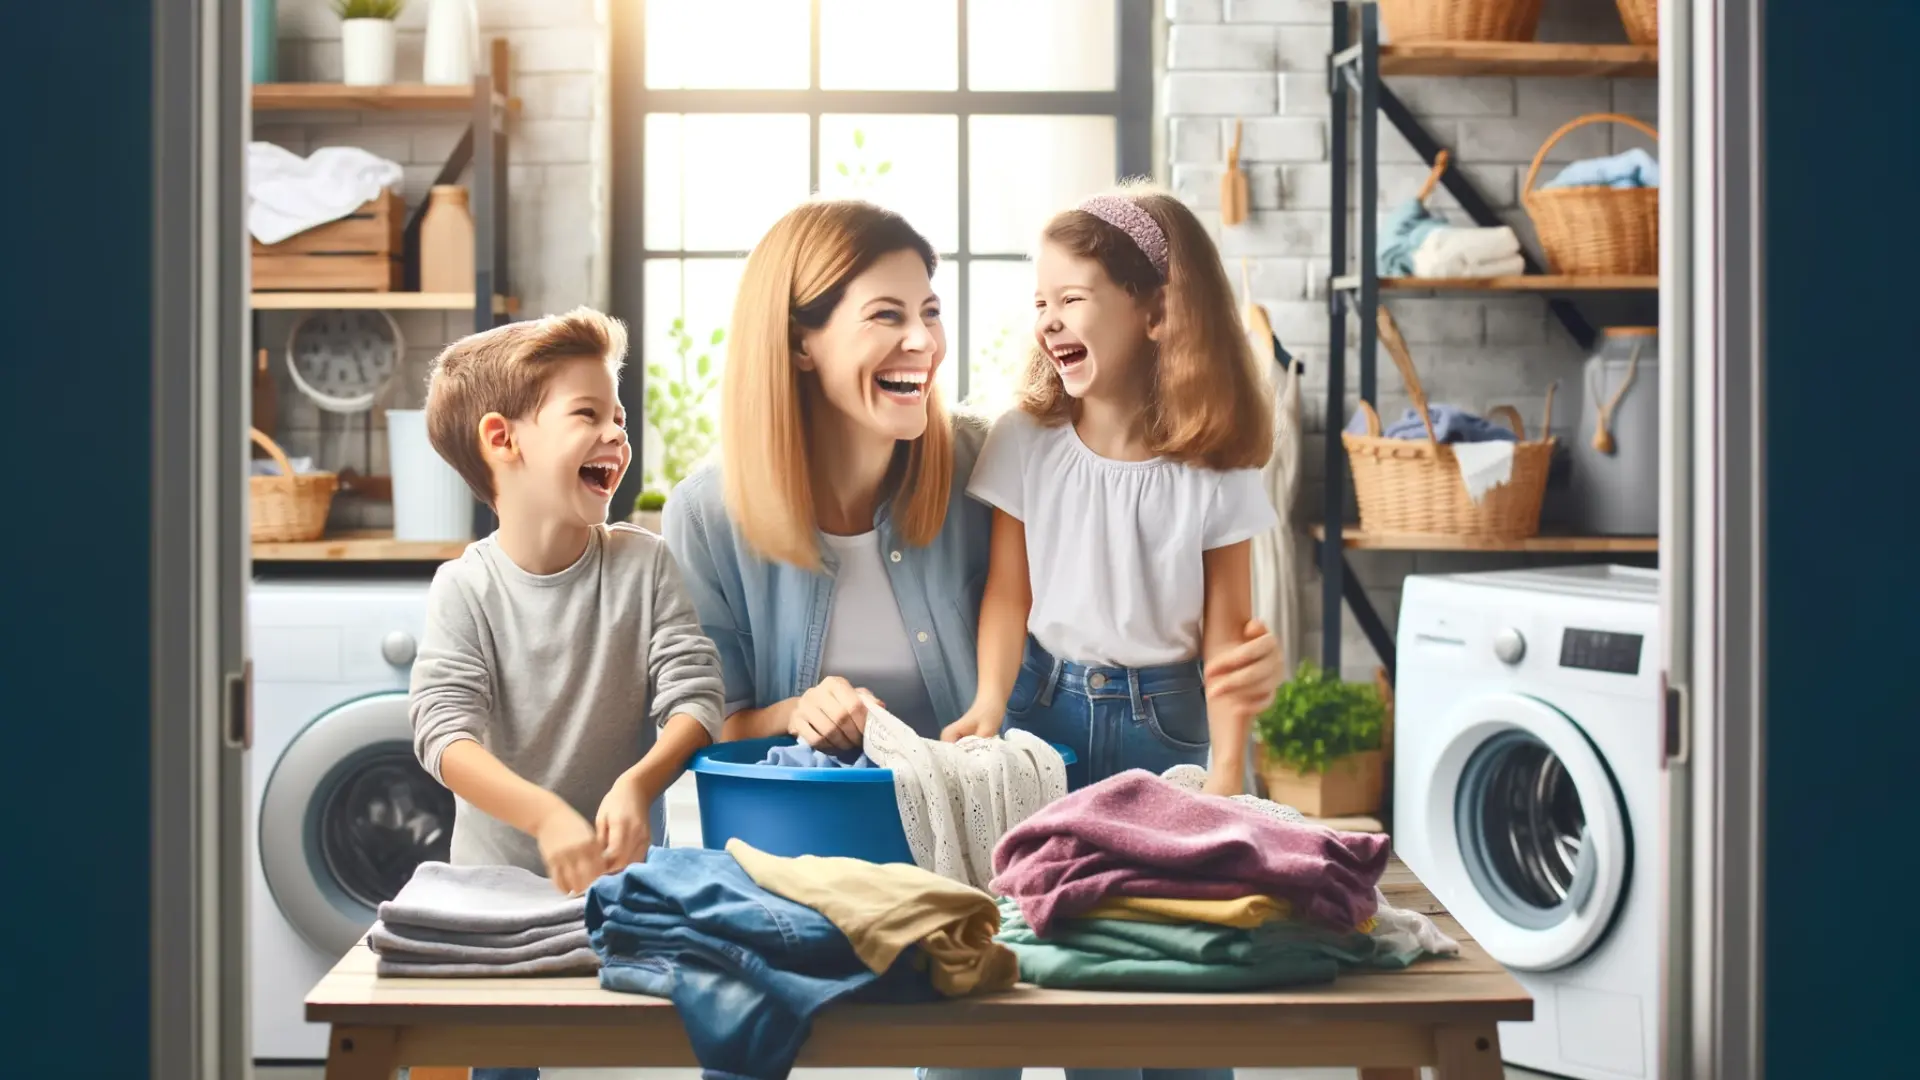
(747,970)
(1113,718)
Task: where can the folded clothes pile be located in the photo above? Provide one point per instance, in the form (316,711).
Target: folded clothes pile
(1463,252)
(481,921)
(1145,883)
(1451,424)
(749,947)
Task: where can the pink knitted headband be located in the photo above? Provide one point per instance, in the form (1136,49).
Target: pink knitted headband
(1124,214)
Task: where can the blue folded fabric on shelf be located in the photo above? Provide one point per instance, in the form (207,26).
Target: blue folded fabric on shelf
(802,756)
(746,969)
(1451,424)
(1633,168)
(1401,234)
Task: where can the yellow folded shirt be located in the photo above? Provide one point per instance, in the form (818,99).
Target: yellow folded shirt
(1243,912)
(884,908)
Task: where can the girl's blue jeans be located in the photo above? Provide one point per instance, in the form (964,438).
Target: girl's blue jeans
(1114,719)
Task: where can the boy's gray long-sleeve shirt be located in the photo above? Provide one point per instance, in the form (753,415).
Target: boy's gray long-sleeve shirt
(564,677)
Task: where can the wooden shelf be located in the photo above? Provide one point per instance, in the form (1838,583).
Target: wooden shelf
(1532,283)
(1523,58)
(379,301)
(402,97)
(360,547)
(1359,540)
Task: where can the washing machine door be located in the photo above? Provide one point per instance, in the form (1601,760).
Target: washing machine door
(1536,862)
(346,816)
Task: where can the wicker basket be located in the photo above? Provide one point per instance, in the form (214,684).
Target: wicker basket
(1410,21)
(292,506)
(1642,20)
(1595,230)
(1405,486)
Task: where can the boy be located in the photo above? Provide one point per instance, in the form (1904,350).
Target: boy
(555,647)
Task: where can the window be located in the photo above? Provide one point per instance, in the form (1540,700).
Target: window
(976,119)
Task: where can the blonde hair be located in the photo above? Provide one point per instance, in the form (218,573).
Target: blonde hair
(795,277)
(1209,402)
(505,370)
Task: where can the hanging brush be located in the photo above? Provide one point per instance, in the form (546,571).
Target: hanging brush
(1233,185)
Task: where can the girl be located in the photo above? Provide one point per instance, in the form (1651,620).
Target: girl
(1126,491)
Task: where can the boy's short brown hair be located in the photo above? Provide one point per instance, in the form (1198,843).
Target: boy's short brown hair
(506,370)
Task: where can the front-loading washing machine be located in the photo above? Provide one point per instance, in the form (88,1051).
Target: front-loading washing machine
(342,810)
(1528,743)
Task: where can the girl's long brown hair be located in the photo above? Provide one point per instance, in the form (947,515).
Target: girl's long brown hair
(795,276)
(1210,403)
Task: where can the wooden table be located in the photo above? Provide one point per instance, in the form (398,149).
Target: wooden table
(1440,1012)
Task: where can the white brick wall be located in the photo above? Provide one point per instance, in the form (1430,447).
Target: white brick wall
(557,185)
(1264,62)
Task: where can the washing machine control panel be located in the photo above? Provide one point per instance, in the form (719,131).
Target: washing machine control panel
(1509,645)
(1601,650)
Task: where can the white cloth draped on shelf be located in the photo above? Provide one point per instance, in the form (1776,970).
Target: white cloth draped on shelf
(1276,552)
(288,194)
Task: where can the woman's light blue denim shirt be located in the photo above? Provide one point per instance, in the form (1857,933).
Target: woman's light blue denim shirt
(769,619)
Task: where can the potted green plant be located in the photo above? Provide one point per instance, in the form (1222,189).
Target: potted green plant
(1320,744)
(367,40)
(646,509)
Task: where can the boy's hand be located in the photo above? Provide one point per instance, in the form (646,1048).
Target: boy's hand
(985,725)
(622,828)
(568,847)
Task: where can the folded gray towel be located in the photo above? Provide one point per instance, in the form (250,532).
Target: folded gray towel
(577,962)
(402,949)
(481,900)
(413,933)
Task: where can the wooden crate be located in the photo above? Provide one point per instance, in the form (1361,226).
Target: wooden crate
(359,253)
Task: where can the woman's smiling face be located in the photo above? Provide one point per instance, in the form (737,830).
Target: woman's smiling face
(877,354)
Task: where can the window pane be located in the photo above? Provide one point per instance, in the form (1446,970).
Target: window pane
(999,330)
(888,45)
(1024,169)
(1051,45)
(715,182)
(908,164)
(698,45)
(698,294)
(946,286)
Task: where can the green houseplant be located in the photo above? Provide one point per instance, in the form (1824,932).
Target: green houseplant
(1321,744)
(676,408)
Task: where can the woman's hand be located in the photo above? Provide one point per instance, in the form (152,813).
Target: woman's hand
(832,715)
(1242,680)
(982,723)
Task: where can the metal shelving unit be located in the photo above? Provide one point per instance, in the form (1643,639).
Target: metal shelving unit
(1357,64)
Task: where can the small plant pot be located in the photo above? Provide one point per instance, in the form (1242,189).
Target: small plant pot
(1347,786)
(366,52)
(647,519)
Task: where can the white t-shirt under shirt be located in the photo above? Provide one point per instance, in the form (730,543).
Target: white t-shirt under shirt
(1114,547)
(867,642)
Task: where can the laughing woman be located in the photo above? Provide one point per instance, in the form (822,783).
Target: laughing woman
(832,548)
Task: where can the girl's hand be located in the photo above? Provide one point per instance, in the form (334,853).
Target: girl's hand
(985,725)
(832,715)
(1243,679)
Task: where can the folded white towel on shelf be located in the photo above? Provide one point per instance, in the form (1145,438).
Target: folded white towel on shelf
(481,900)
(288,194)
(1463,252)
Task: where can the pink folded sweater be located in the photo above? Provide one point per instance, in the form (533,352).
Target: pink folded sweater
(1135,834)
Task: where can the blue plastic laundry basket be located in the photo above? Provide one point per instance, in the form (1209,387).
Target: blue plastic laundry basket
(789,811)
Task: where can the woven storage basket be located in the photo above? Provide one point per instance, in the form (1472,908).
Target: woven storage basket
(1642,20)
(1595,230)
(1406,486)
(1409,21)
(292,506)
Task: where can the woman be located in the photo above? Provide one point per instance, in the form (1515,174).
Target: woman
(833,549)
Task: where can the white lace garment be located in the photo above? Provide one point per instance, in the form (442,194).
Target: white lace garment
(958,799)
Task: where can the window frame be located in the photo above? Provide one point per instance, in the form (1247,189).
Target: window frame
(1130,103)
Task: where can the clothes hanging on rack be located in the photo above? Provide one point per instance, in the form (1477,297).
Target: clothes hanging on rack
(1276,552)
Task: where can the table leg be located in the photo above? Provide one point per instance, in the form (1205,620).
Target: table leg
(439,1072)
(1467,1053)
(1394,1073)
(359,1053)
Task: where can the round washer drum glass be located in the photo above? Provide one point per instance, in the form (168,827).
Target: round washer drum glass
(1524,824)
(384,817)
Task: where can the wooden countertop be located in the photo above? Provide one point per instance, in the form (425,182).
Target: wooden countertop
(1377,1019)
